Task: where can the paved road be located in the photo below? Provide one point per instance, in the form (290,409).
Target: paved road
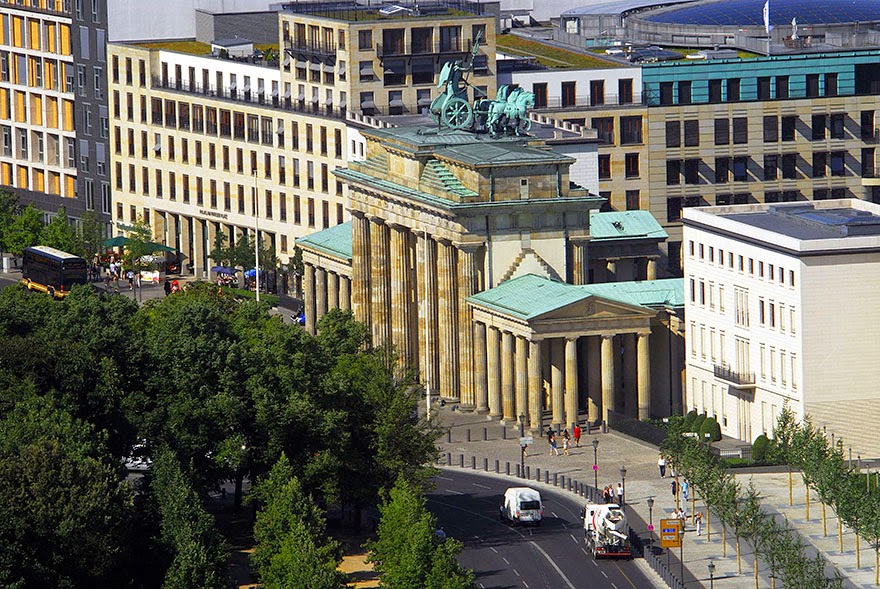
(551,556)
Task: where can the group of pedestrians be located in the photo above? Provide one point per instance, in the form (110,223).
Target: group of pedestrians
(612,495)
(567,440)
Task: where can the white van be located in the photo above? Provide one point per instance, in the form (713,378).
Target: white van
(522,505)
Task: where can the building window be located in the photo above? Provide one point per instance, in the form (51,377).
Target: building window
(625,91)
(692,171)
(604,127)
(771,166)
(666,93)
(673,172)
(604,166)
(722,131)
(733,90)
(630,130)
(820,163)
(740,130)
(763,88)
(540,92)
(837,125)
(831,84)
(569,94)
(673,209)
(722,170)
(781,87)
(789,166)
(691,133)
(365,40)
(817,133)
(812,85)
(714,91)
(673,134)
(788,127)
(597,92)
(771,129)
(632,165)
(632,200)
(837,163)
(684,92)
(867,125)
(740,169)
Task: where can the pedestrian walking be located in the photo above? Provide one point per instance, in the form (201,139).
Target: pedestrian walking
(619,494)
(566,442)
(576,432)
(698,521)
(661,464)
(167,287)
(552,440)
(130,276)
(549,432)
(674,488)
(685,488)
(607,492)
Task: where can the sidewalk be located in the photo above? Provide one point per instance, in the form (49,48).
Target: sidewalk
(642,481)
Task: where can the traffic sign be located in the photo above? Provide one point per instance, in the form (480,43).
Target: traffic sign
(670,533)
(526,441)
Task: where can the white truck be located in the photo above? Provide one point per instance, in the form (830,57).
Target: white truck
(606,531)
(522,505)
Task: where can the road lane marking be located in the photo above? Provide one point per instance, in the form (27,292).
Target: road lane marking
(507,562)
(492,548)
(444,478)
(515,572)
(480,486)
(454,492)
(526,585)
(625,576)
(603,574)
(553,513)
(573,539)
(613,585)
(553,564)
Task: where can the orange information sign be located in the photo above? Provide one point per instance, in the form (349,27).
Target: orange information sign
(670,533)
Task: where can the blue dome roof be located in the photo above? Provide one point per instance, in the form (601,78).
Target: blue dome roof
(750,12)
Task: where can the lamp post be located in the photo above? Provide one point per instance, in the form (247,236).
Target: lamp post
(711,566)
(596,463)
(522,421)
(522,450)
(623,481)
(650,502)
(257,236)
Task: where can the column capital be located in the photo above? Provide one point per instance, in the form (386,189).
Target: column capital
(468,247)
(375,219)
(396,226)
(608,336)
(580,240)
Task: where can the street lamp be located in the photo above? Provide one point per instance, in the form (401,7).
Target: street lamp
(522,421)
(623,481)
(522,449)
(650,502)
(711,575)
(596,463)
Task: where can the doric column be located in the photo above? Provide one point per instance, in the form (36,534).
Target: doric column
(594,377)
(481,387)
(344,293)
(629,373)
(557,381)
(320,293)
(309,298)
(380,281)
(332,290)
(607,376)
(580,261)
(508,388)
(400,292)
(644,370)
(428,344)
(467,286)
(211,237)
(360,267)
(571,381)
(536,387)
(185,229)
(198,238)
(448,321)
(652,269)
(522,391)
(493,372)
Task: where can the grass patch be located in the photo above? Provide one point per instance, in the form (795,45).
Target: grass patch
(191,47)
(240,293)
(550,56)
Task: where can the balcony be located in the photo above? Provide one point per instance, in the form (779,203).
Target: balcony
(315,48)
(738,380)
(428,48)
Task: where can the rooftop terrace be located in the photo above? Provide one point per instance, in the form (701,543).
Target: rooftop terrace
(372,10)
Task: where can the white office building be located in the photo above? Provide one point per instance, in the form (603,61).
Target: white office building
(782,306)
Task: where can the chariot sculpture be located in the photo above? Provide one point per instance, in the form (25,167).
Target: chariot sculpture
(506,114)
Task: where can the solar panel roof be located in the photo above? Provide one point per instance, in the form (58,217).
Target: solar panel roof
(750,12)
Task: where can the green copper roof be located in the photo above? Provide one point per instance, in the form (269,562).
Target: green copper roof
(335,241)
(624,225)
(531,296)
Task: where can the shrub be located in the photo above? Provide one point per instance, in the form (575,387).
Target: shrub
(760,448)
(710,426)
(697,423)
(689,419)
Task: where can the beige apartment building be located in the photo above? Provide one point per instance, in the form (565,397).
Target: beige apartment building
(378,62)
(194,138)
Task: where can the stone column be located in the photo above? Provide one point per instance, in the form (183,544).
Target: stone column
(212,235)
(320,293)
(332,291)
(198,258)
(607,376)
(428,343)
(467,286)
(522,391)
(652,269)
(401,288)
(345,293)
(571,381)
(557,386)
(644,377)
(447,307)
(580,261)
(508,396)
(594,377)
(360,267)
(629,373)
(493,372)
(481,386)
(186,246)
(309,298)
(536,387)
(380,281)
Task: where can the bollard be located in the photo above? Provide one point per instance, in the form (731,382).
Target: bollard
(569,485)
(504,433)
(449,459)
(555,479)
(562,481)
(507,468)
(474,462)
(461,460)
(486,464)
(517,472)
(485,433)
(468,437)
(449,436)
(537,474)
(497,464)
(528,472)
(547,477)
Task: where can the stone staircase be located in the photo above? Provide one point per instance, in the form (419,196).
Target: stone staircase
(520,258)
(437,178)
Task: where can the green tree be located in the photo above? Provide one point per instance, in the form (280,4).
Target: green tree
(59,233)
(407,552)
(8,211)
(25,230)
(90,236)
(220,253)
(198,550)
(65,502)
(292,550)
